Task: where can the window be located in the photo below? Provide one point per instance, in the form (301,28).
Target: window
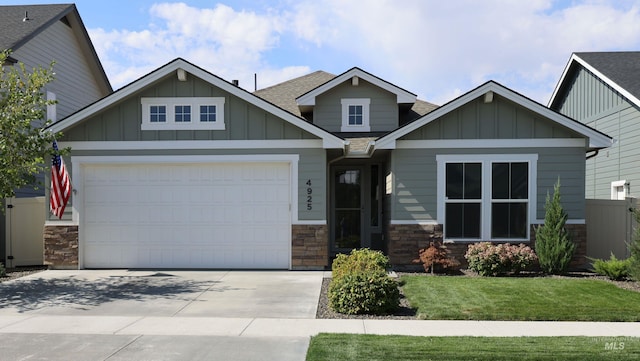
(355,115)
(486,197)
(158,113)
(207,113)
(619,190)
(183,113)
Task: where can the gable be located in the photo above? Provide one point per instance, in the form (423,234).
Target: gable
(585,96)
(499,119)
(122,120)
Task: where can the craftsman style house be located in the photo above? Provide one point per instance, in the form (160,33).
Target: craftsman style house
(182,169)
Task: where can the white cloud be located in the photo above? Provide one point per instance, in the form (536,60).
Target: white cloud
(433,48)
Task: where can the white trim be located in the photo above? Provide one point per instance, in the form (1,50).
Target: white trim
(486,160)
(569,221)
(402,95)
(330,141)
(193,124)
(59,223)
(194,144)
(491,143)
(364,103)
(596,139)
(418,222)
(78,163)
(310,222)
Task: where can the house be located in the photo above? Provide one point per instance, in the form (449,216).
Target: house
(38,35)
(602,90)
(182,169)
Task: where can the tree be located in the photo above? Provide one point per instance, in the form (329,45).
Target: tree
(24,143)
(553,243)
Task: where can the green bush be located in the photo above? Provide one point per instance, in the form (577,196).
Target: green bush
(553,243)
(488,259)
(614,268)
(634,247)
(3,271)
(371,292)
(359,260)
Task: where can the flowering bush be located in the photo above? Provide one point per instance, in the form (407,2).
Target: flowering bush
(491,260)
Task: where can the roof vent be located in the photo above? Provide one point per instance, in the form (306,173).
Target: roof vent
(235,82)
(26,16)
(355,81)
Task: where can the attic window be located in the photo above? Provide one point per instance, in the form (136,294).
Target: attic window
(355,115)
(183,113)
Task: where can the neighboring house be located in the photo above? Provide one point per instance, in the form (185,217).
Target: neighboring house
(38,35)
(182,169)
(602,90)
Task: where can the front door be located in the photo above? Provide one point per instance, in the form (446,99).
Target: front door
(347,211)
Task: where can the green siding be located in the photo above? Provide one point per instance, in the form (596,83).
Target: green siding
(311,166)
(591,101)
(500,119)
(415,175)
(243,120)
(383,109)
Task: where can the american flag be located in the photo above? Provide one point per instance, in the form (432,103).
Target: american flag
(60,184)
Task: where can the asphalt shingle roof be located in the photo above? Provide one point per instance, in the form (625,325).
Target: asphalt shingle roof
(623,67)
(14,32)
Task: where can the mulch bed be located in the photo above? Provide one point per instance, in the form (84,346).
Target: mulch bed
(13,273)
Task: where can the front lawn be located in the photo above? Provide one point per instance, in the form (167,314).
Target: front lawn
(520,298)
(407,348)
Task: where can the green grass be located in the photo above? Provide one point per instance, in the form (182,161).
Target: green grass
(407,348)
(518,298)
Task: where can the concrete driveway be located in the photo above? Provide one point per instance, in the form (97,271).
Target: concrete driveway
(232,294)
(155,315)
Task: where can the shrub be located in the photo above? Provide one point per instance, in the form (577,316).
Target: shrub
(488,259)
(3,271)
(553,244)
(370,292)
(436,255)
(634,247)
(615,269)
(359,260)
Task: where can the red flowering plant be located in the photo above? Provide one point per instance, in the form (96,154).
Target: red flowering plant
(488,259)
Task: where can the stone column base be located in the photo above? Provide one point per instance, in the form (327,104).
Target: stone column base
(309,247)
(61,247)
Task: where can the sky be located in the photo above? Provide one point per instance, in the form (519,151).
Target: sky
(434,48)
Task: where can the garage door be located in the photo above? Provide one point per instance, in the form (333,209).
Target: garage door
(220,215)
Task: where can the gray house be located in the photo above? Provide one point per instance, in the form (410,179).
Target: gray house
(182,169)
(602,90)
(38,35)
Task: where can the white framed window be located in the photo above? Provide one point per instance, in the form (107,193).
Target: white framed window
(619,190)
(355,115)
(487,197)
(203,113)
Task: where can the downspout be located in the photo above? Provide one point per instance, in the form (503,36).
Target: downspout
(595,152)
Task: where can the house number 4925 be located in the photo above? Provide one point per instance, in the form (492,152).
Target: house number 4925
(309,195)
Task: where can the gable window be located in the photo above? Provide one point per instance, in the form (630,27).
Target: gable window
(486,197)
(183,113)
(355,115)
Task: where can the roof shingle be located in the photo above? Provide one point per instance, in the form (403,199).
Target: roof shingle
(14,32)
(622,67)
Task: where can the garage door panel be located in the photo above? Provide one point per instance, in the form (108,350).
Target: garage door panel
(224,215)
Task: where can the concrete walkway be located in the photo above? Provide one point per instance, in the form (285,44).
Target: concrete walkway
(95,316)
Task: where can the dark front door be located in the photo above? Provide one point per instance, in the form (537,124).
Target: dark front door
(347,210)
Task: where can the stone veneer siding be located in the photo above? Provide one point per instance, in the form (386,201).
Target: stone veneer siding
(61,247)
(309,247)
(404,241)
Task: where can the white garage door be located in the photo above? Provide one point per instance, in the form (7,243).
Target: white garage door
(221,215)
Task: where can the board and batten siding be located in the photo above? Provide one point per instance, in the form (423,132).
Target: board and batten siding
(383,109)
(415,190)
(596,104)
(311,166)
(75,85)
(243,121)
(500,119)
